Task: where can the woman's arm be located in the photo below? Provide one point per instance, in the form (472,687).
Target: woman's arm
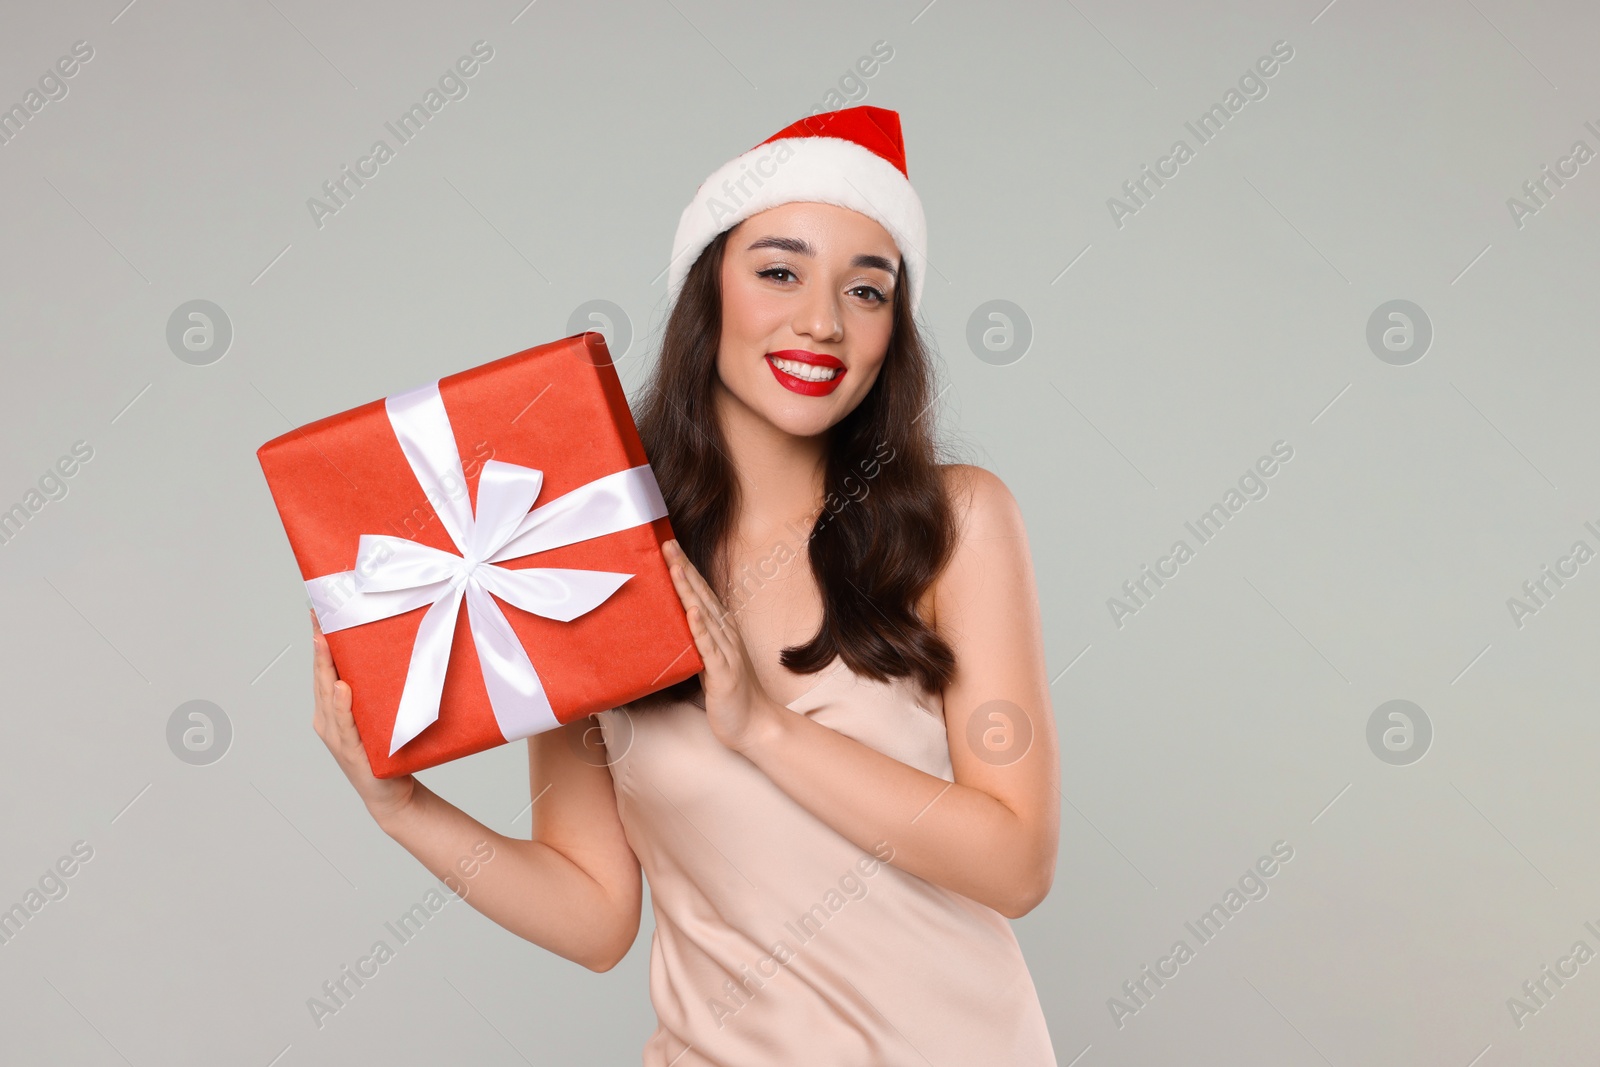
(992,834)
(573,888)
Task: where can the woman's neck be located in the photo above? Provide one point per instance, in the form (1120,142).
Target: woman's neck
(780,476)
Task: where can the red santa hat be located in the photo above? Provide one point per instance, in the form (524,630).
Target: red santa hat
(853,158)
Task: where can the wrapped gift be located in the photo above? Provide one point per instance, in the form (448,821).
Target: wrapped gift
(484,555)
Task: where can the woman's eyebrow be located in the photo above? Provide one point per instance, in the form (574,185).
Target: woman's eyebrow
(799,246)
(879,262)
(787,244)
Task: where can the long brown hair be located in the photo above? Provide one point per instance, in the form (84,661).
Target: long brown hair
(886,527)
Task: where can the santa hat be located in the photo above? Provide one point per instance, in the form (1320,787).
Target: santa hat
(853,158)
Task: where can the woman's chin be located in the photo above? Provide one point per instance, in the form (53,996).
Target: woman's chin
(791,413)
(801,420)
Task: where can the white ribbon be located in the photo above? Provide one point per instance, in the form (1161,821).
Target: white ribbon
(395,575)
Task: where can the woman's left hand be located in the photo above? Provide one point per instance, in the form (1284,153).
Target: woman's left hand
(737,704)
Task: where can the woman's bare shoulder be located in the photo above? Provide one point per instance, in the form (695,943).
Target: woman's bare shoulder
(983,503)
(988,521)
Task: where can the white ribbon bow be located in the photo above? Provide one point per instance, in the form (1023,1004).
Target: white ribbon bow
(395,575)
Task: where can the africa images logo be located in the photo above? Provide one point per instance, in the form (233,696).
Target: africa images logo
(1252,85)
(452,86)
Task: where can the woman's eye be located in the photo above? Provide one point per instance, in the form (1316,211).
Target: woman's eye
(873,293)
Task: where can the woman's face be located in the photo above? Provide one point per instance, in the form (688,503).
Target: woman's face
(810,284)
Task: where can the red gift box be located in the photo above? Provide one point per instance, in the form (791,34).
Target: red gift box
(550,521)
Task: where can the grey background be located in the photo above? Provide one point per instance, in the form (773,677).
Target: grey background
(1229,313)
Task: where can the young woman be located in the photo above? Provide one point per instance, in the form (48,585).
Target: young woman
(840,813)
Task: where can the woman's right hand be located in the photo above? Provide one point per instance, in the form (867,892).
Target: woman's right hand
(334,723)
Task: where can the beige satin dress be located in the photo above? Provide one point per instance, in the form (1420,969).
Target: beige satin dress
(778,941)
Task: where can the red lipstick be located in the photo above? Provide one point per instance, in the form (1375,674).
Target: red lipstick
(796,384)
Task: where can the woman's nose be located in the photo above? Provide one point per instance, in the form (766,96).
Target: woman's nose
(818,316)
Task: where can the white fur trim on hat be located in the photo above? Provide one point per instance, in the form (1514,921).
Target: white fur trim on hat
(827,170)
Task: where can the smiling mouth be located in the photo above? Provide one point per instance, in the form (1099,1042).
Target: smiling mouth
(806,373)
(809,372)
